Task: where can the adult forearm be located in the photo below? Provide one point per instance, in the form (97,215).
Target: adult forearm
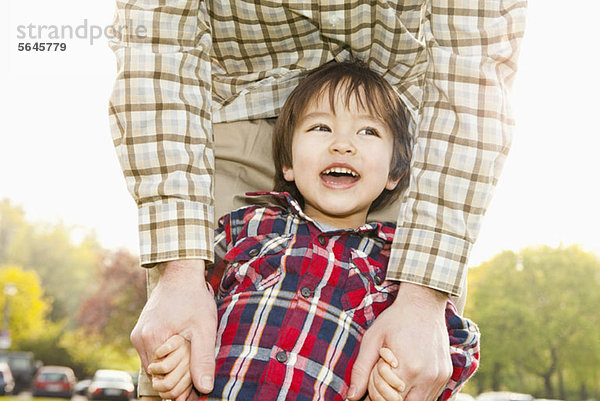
(462,141)
(161,125)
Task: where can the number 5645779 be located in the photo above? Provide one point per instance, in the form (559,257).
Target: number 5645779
(42,46)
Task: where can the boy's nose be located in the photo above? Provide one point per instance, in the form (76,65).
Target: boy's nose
(343,145)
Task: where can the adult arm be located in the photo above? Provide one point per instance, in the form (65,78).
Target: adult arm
(462,140)
(161,127)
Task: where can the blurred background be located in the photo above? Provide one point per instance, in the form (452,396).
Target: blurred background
(71,288)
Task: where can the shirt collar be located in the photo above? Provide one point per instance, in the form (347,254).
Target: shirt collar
(384,231)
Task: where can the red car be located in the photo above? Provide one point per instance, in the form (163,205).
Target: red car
(54,381)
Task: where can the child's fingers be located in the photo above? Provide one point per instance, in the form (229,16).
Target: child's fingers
(379,390)
(169,346)
(373,393)
(172,383)
(185,395)
(387,355)
(180,391)
(163,366)
(379,387)
(169,362)
(179,373)
(385,371)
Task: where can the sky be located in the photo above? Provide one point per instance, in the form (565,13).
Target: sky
(58,164)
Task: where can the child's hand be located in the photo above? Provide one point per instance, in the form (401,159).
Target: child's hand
(170,370)
(384,385)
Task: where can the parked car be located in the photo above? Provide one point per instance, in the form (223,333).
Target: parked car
(81,387)
(54,381)
(110,384)
(504,396)
(22,366)
(7,382)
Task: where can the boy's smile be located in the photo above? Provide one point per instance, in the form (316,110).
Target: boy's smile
(339,176)
(341,161)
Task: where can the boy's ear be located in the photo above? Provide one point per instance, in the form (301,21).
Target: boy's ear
(392,183)
(288,173)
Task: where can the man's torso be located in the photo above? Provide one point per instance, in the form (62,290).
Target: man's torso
(261,49)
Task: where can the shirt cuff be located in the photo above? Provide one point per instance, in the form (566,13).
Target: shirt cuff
(175,229)
(145,385)
(429,258)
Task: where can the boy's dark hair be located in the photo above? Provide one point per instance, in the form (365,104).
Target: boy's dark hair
(355,79)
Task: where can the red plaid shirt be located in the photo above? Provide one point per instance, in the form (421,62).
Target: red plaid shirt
(294,302)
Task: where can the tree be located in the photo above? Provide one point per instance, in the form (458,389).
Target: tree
(538,314)
(107,316)
(27,307)
(119,296)
(65,269)
(90,301)
(12,224)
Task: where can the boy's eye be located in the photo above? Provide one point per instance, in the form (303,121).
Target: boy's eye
(368,131)
(320,127)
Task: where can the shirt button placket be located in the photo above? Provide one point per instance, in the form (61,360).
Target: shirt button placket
(322,240)
(306,292)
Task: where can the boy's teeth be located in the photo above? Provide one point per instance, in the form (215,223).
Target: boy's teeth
(340,170)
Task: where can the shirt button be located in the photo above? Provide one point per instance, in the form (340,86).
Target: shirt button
(306,292)
(253,252)
(334,20)
(378,280)
(281,356)
(322,240)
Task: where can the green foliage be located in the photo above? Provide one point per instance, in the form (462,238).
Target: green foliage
(64,268)
(47,347)
(75,303)
(27,308)
(93,352)
(538,314)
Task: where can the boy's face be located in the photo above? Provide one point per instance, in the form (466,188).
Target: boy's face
(340,162)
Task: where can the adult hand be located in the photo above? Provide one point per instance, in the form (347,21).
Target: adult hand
(180,304)
(414,328)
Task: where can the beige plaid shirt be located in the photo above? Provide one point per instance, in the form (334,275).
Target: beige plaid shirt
(185,64)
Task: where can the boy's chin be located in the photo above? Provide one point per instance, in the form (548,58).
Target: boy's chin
(348,217)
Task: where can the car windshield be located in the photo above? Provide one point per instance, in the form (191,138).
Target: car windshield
(52,377)
(113,378)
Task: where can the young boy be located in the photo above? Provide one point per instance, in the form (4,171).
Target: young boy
(299,283)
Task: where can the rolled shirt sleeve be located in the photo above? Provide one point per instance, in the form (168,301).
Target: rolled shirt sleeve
(160,120)
(463,138)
